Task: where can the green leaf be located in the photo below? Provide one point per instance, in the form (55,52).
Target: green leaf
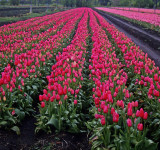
(66,112)
(20,114)
(117,127)
(3,123)
(140,144)
(155,121)
(16,129)
(150,145)
(53,121)
(34,87)
(12,119)
(29,88)
(96,144)
(88,126)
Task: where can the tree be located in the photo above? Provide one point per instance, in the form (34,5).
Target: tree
(137,3)
(14,2)
(144,3)
(104,2)
(3,2)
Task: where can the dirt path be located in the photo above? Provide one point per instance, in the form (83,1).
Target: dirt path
(147,40)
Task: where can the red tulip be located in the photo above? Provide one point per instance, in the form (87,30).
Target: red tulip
(112,110)
(105,109)
(103,122)
(42,104)
(129,122)
(136,104)
(75,102)
(115,117)
(58,97)
(40,97)
(145,116)
(137,113)
(129,112)
(96,116)
(13,112)
(140,126)
(141,113)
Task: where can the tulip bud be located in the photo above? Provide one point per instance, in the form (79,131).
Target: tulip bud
(75,102)
(112,110)
(137,113)
(141,113)
(136,104)
(96,116)
(140,126)
(4,98)
(103,122)
(13,112)
(105,109)
(42,104)
(145,116)
(115,117)
(129,112)
(129,122)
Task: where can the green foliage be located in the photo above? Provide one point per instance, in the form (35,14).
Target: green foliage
(77,3)
(104,2)
(14,2)
(3,2)
(137,3)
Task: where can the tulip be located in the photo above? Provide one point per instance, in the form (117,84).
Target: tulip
(137,113)
(13,112)
(42,104)
(40,97)
(129,122)
(105,109)
(115,117)
(96,116)
(112,110)
(141,113)
(145,116)
(75,102)
(103,122)
(129,112)
(140,126)
(136,104)
(58,97)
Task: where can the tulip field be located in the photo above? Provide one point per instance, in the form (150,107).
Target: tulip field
(144,18)
(144,10)
(79,74)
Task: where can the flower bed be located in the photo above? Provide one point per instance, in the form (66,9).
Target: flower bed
(144,10)
(87,75)
(61,103)
(145,17)
(20,83)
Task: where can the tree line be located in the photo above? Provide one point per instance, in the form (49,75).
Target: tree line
(87,3)
(140,3)
(67,3)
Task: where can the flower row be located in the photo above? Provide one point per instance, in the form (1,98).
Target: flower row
(145,17)
(62,99)
(117,113)
(145,10)
(23,80)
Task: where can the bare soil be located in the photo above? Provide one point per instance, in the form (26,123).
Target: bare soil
(28,140)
